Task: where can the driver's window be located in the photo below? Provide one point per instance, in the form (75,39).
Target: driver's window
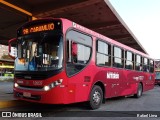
(78,51)
(78,57)
(80,54)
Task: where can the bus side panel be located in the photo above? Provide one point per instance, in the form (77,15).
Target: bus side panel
(81,82)
(128,86)
(149,82)
(134,78)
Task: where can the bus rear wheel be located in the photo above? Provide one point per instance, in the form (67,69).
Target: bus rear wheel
(96,97)
(139,91)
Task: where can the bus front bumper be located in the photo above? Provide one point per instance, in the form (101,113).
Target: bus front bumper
(57,95)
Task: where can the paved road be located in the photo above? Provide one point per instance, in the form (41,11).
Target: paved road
(6,90)
(116,108)
(6,87)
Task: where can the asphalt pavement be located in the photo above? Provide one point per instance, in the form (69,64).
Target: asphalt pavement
(6,94)
(120,106)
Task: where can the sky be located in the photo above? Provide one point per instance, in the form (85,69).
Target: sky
(143,19)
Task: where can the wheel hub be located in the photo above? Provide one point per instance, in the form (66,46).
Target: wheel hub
(96,97)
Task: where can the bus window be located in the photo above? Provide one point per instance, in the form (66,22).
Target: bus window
(79,58)
(151,66)
(145,65)
(103,54)
(129,60)
(138,63)
(78,51)
(118,55)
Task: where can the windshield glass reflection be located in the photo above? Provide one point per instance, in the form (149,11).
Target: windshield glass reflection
(40,53)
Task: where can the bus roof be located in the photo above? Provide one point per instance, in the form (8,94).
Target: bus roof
(93,33)
(100,36)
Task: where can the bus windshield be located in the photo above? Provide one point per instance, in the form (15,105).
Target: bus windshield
(40,52)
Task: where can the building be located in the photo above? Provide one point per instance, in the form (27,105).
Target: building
(3,50)
(13,51)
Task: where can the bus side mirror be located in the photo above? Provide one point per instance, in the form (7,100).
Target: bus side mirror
(12,52)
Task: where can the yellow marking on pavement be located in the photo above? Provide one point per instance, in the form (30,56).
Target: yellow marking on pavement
(11,103)
(4,104)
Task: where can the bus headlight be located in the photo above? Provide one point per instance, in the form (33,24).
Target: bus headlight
(16,85)
(46,88)
(52,85)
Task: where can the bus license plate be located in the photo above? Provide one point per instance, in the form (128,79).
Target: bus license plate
(27,94)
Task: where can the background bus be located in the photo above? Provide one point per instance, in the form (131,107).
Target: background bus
(157,71)
(61,62)
(6,69)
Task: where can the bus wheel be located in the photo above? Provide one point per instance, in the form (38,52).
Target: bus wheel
(96,97)
(139,91)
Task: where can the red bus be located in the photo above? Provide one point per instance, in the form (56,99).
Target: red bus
(61,62)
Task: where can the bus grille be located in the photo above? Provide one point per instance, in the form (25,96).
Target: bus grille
(31,87)
(31,76)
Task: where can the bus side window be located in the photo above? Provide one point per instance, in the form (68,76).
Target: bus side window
(78,51)
(129,60)
(138,63)
(145,65)
(151,66)
(78,57)
(72,51)
(118,57)
(103,56)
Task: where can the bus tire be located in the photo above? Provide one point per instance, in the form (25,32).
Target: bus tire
(139,91)
(96,97)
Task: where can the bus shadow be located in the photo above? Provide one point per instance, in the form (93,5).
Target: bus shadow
(29,106)
(82,106)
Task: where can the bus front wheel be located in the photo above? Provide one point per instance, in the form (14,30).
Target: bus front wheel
(96,97)
(139,91)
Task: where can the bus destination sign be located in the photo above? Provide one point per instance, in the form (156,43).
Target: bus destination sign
(38,28)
